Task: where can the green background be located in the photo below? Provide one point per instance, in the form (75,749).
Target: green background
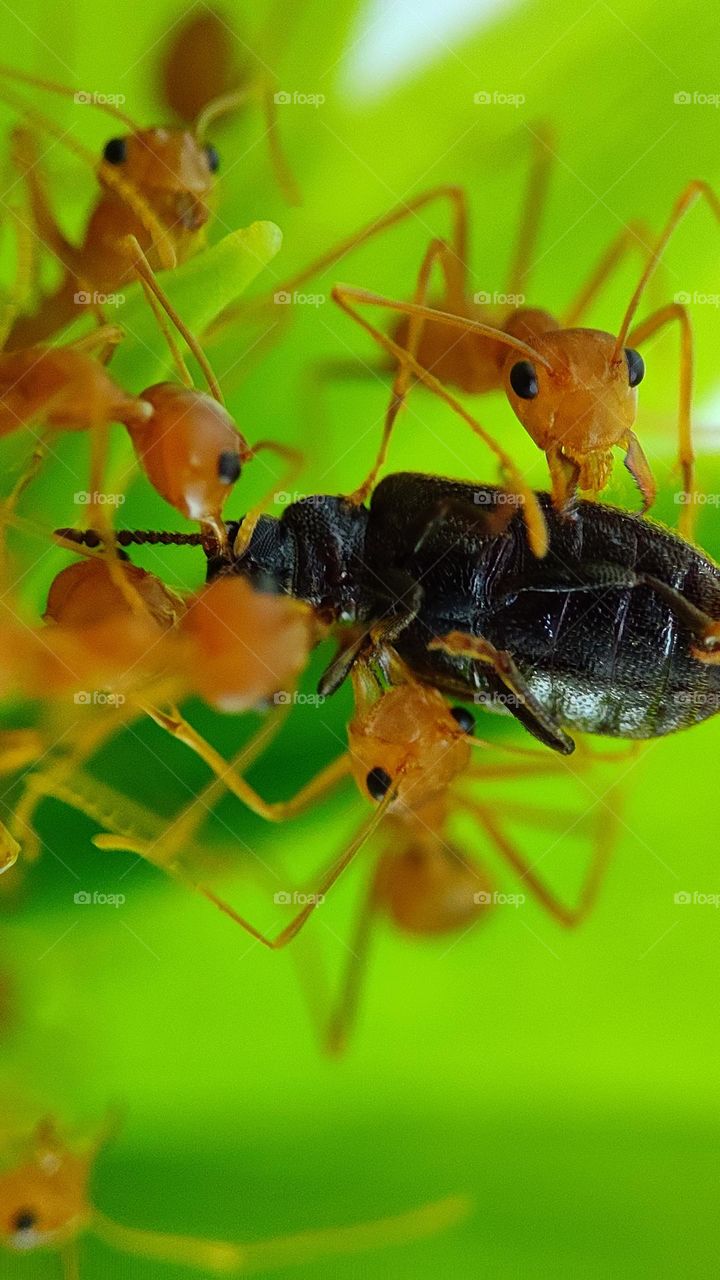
(568,1082)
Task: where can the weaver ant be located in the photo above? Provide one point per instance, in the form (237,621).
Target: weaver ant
(573,389)
(45,1203)
(157,187)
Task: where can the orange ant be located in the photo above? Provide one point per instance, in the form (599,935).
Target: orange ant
(157,187)
(185,441)
(200,68)
(45,1203)
(118,628)
(406,750)
(573,389)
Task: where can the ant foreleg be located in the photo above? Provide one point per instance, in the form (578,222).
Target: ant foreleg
(676,311)
(437,251)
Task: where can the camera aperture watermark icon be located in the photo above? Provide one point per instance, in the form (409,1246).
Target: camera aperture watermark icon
(495,898)
(297,98)
(93,298)
(98,698)
(83,898)
(496,98)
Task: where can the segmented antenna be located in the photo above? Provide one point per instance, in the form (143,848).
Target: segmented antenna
(133,537)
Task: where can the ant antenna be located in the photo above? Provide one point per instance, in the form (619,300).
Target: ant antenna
(52,87)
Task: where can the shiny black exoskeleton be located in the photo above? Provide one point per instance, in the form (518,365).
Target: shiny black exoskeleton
(600,636)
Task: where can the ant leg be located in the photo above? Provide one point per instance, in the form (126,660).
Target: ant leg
(636,235)
(157,298)
(534,519)
(437,251)
(344,1013)
(249,521)
(283,1251)
(284,175)
(688,197)
(279,811)
(313,898)
(42,780)
(568,916)
(70,1260)
(677,312)
(26,160)
(533,205)
(524,705)
(458,240)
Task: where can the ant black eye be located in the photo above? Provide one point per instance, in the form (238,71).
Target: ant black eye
(213,159)
(378,783)
(228,467)
(115,151)
(523,380)
(636,366)
(25,1220)
(465,719)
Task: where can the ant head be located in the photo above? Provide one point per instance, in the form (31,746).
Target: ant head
(580,395)
(171,168)
(246,646)
(189,449)
(428,885)
(89,593)
(44,1201)
(406,739)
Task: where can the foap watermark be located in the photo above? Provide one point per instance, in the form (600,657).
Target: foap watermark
(494,898)
(485,299)
(98,698)
(696,899)
(697,298)
(496,498)
(698,499)
(696,99)
(84,499)
(93,298)
(285,499)
(96,899)
(284,698)
(285,299)
(496,98)
(696,698)
(298,99)
(83,98)
(285,899)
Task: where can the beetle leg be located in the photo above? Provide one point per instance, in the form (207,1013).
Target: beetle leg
(506,679)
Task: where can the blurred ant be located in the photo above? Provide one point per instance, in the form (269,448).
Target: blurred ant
(185,441)
(45,1203)
(157,187)
(406,750)
(119,628)
(573,389)
(200,70)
